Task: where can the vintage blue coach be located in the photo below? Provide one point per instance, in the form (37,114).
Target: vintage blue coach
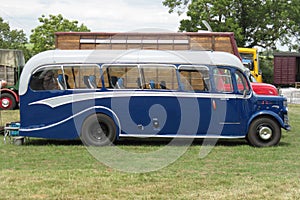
(101,96)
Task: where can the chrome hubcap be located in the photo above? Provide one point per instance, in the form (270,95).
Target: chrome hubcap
(265,133)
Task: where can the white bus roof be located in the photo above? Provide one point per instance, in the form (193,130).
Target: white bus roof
(125,56)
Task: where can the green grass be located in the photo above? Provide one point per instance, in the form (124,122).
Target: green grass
(7,116)
(45,169)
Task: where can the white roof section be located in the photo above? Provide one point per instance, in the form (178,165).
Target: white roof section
(125,56)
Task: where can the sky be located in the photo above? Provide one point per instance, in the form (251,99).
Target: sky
(98,16)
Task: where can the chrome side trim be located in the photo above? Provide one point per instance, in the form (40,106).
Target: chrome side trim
(230,123)
(72,98)
(182,136)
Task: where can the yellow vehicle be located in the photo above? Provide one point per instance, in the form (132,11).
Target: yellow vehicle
(250,60)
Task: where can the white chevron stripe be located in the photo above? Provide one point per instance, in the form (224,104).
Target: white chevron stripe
(72,98)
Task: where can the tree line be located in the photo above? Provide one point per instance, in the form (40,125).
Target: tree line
(260,23)
(42,37)
(263,23)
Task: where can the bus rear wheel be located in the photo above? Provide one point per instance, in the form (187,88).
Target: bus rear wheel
(264,132)
(98,130)
(7,101)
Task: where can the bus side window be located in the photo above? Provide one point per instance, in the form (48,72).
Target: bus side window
(45,79)
(241,81)
(159,77)
(121,76)
(82,77)
(194,79)
(222,80)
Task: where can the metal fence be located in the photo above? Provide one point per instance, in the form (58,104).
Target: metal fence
(292,95)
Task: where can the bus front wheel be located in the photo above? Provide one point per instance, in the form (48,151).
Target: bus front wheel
(264,132)
(98,130)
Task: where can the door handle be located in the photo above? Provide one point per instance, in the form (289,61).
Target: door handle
(214,104)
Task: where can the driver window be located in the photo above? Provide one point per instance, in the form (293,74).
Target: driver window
(242,83)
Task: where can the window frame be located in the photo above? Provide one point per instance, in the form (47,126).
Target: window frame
(117,65)
(155,65)
(244,81)
(86,65)
(62,67)
(195,68)
(45,68)
(141,75)
(230,74)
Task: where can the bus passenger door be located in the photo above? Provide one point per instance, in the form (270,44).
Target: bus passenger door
(159,110)
(196,102)
(146,104)
(226,109)
(225,118)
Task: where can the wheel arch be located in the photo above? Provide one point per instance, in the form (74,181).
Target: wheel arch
(270,115)
(110,113)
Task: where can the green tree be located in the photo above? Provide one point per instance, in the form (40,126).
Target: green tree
(43,36)
(13,39)
(254,22)
(267,68)
(293,27)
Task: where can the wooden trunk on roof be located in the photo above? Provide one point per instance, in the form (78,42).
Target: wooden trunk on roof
(215,41)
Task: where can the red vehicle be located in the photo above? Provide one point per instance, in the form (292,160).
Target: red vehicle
(263,88)
(11,64)
(258,88)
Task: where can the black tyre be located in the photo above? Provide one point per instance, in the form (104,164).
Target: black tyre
(98,130)
(264,132)
(7,101)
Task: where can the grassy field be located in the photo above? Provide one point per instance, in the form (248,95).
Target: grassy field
(45,169)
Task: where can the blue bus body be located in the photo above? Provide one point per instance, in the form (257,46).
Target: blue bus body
(146,107)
